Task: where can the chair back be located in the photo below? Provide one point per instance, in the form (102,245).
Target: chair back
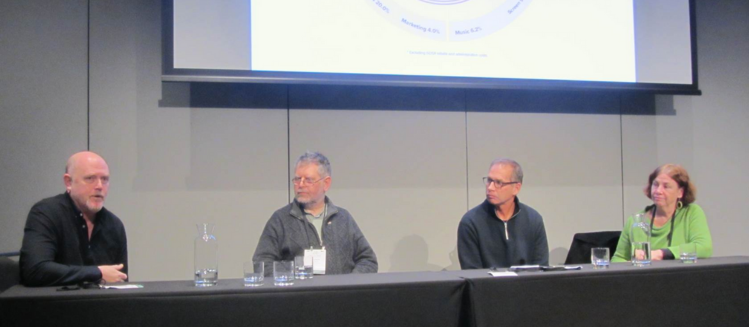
(583,242)
(10,273)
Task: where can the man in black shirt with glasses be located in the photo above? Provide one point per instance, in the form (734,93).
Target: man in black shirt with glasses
(501,231)
(71,238)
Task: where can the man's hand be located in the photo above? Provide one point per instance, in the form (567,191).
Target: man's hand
(112,274)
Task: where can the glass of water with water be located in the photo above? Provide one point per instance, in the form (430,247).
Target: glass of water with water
(254,273)
(688,253)
(283,273)
(303,267)
(599,257)
(641,254)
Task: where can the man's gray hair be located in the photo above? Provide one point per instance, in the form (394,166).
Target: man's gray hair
(323,164)
(517,171)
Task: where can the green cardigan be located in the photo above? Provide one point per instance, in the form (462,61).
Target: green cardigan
(690,227)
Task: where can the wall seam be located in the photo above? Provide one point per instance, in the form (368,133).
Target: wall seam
(465,121)
(88,75)
(288,144)
(621,150)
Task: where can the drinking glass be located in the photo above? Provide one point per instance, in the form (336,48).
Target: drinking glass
(599,257)
(302,267)
(283,273)
(254,273)
(688,253)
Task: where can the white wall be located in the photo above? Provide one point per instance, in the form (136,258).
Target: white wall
(407,176)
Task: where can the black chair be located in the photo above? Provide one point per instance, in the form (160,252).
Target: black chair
(583,242)
(10,273)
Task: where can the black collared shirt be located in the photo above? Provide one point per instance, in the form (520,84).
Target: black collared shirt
(56,249)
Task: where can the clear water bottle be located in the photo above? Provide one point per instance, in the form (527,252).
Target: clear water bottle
(639,237)
(206,256)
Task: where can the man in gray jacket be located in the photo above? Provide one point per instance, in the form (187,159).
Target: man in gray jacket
(311,221)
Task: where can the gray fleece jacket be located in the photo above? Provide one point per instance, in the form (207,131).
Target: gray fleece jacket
(287,234)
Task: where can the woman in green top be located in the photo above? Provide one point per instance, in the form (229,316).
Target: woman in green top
(675,219)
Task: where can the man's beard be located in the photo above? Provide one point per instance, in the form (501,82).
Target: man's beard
(94,207)
(301,200)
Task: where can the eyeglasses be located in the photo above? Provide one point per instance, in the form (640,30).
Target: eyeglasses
(304,180)
(498,184)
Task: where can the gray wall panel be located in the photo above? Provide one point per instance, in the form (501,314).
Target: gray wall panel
(42,104)
(719,120)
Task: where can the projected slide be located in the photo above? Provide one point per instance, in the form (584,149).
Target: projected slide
(450,20)
(589,40)
(402,41)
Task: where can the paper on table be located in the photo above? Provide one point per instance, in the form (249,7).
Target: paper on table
(318,258)
(122,287)
(502,273)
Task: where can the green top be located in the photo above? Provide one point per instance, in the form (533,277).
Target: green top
(690,227)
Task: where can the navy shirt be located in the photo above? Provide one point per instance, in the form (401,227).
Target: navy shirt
(485,241)
(56,249)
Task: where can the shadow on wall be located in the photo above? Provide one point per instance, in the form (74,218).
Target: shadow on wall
(340,97)
(454,261)
(411,253)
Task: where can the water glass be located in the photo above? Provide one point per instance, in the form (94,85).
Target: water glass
(283,273)
(641,254)
(688,253)
(303,268)
(599,257)
(254,273)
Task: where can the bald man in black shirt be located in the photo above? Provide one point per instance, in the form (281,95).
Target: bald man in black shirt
(71,238)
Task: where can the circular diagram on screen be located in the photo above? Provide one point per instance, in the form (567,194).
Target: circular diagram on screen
(450,20)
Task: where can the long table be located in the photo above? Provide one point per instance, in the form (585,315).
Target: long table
(711,292)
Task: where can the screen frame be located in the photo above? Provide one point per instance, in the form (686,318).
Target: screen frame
(171,74)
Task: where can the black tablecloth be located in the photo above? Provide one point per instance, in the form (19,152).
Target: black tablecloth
(395,299)
(713,292)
